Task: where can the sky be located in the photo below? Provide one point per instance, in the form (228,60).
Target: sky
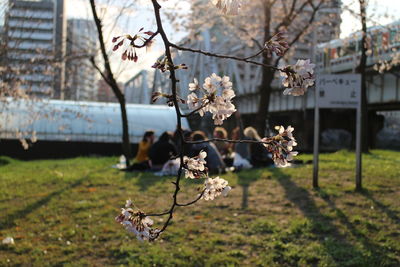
(380,12)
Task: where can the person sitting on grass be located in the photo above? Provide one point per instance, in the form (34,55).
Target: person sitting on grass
(162,151)
(142,160)
(258,154)
(223,147)
(215,164)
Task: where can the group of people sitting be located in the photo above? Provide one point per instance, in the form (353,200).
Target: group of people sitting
(220,155)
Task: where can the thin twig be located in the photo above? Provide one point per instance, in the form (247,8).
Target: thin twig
(157,214)
(174,82)
(195,110)
(223,56)
(268,141)
(192,202)
(145,43)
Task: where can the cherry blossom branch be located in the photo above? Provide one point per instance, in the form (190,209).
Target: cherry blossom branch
(158,214)
(192,202)
(242,141)
(255,55)
(196,110)
(174,81)
(246,60)
(147,42)
(280,145)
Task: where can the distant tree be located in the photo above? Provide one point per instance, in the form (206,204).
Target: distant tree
(108,75)
(259,22)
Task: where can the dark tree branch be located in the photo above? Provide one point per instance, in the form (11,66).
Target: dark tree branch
(174,82)
(196,110)
(268,141)
(192,202)
(145,43)
(246,60)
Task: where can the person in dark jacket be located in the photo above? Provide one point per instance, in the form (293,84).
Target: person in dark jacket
(162,151)
(258,153)
(215,164)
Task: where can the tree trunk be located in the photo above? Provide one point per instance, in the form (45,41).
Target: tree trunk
(265,93)
(267,77)
(126,145)
(362,70)
(108,76)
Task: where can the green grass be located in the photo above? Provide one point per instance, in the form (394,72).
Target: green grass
(61,213)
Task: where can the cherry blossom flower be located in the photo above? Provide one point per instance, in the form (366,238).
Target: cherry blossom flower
(281,146)
(130,45)
(196,167)
(128,203)
(219,105)
(137,223)
(230,7)
(298,78)
(194,86)
(170,99)
(215,187)
(277,44)
(163,65)
(156,95)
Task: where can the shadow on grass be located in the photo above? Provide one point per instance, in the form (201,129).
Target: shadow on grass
(377,252)
(145,179)
(390,213)
(4,161)
(9,220)
(336,245)
(245,178)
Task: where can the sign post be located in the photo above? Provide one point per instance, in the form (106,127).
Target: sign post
(338,91)
(316,142)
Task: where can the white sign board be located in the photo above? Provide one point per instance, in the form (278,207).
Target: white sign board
(338,91)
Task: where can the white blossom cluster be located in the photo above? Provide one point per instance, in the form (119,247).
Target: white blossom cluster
(229,7)
(281,146)
(277,44)
(129,46)
(298,78)
(213,187)
(385,65)
(219,105)
(196,167)
(137,223)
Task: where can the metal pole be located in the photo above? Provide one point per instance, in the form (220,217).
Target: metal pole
(316,142)
(358,150)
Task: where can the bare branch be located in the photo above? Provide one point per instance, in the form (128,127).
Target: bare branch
(224,56)
(192,202)
(268,141)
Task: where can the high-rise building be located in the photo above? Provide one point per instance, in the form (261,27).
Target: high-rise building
(34,36)
(81,76)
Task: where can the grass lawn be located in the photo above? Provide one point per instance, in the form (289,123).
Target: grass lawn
(61,213)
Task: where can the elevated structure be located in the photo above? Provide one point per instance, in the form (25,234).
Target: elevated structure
(383,82)
(94,122)
(138,89)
